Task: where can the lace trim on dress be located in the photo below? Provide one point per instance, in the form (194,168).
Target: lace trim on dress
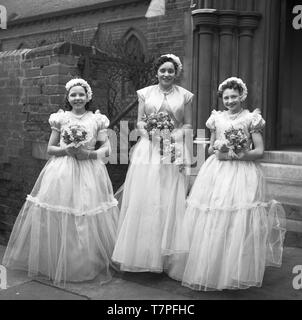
(196,205)
(102,208)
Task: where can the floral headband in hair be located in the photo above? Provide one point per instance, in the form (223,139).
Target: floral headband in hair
(237,81)
(176,60)
(79,82)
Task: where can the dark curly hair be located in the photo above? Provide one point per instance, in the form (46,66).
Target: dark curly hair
(230,85)
(67,105)
(161,60)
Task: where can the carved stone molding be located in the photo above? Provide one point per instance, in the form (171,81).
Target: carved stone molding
(205,20)
(245,21)
(228,20)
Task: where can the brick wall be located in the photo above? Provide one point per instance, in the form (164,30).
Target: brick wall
(167,34)
(163,34)
(77,28)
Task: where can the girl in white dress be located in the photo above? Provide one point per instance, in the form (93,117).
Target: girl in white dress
(154,193)
(66,230)
(234,232)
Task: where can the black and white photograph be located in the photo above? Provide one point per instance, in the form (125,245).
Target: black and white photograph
(151,153)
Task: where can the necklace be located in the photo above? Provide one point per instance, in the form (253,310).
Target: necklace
(78,116)
(166,92)
(235,115)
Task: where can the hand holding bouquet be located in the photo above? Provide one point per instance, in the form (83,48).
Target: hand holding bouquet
(75,135)
(221,145)
(159,127)
(234,143)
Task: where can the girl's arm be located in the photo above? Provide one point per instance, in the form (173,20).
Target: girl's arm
(54,150)
(140,113)
(102,152)
(188,116)
(212,140)
(257,152)
(186,131)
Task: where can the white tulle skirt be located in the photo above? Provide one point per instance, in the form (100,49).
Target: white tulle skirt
(152,211)
(66,230)
(234,232)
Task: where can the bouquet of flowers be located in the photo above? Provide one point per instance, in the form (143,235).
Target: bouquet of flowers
(236,139)
(158,121)
(75,135)
(161,125)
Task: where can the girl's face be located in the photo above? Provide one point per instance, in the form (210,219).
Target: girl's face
(231,100)
(77,98)
(166,74)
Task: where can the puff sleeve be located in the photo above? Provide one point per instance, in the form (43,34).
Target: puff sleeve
(210,124)
(257,122)
(141,94)
(55,120)
(102,125)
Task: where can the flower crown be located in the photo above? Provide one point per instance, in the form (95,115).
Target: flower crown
(176,60)
(79,82)
(240,84)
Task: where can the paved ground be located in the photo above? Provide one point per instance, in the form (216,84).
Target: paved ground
(277,284)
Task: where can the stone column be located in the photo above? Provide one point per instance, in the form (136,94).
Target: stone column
(205,21)
(248,22)
(227,23)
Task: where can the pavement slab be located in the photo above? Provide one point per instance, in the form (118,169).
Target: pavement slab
(34,290)
(120,289)
(277,285)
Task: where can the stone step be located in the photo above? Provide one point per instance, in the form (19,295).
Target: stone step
(293,212)
(293,236)
(284,180)
(283,157)
(283,172)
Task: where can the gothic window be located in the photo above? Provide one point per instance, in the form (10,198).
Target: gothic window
(134,48)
